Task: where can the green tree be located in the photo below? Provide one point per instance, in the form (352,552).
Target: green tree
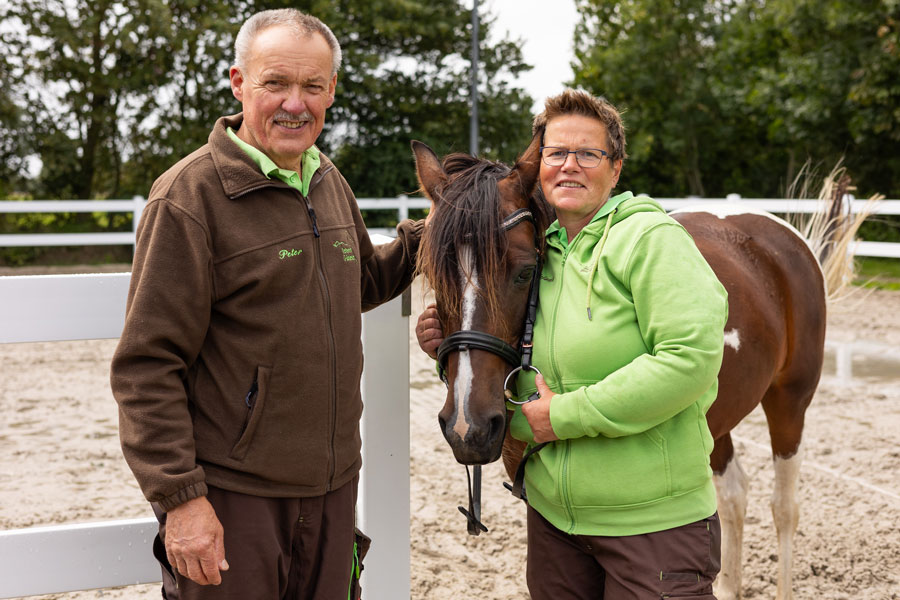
(193,93)
(736,95)
(88,67)
(12,150)
(813,75)
(653,60)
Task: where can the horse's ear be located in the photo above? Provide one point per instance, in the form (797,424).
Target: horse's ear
(528,167)
(428,169)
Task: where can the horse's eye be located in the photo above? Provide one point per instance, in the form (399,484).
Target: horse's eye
(525,275)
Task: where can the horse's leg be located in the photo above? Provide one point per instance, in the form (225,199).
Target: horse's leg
(731,491)
(785,410)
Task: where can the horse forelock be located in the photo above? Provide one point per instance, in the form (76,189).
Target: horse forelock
(467,215)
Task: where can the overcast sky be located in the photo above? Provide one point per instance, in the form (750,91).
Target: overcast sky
(546,29)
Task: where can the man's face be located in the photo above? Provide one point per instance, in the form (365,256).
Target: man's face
(284,88)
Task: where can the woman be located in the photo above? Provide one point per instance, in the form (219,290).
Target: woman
(629,338)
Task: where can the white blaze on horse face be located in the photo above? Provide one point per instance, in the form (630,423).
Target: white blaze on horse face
(464,376)
(733,339)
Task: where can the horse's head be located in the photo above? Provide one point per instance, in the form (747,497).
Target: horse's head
(479,255)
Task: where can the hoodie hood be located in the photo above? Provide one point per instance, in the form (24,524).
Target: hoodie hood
(614,211)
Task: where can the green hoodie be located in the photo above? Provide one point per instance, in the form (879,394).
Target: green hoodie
(629,334)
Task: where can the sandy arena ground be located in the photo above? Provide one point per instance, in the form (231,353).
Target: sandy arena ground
(60,462)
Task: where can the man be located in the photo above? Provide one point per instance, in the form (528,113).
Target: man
(237,373)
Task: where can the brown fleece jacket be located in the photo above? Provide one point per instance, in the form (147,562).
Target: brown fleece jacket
(240,360)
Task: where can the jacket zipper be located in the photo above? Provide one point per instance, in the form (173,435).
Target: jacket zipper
(565,496)
(326,296)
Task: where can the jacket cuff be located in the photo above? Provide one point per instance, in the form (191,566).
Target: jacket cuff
(411,231)
(565,416)
(195,490)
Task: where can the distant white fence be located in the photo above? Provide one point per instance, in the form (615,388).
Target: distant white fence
(401,205)
(62,558)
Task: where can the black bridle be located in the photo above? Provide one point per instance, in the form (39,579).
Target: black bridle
(520,358)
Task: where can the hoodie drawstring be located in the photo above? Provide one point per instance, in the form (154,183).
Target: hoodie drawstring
(595,261)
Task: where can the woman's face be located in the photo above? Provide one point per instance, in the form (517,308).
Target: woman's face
(576,192)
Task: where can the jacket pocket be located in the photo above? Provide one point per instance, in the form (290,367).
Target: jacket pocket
(255,405)
(607,472)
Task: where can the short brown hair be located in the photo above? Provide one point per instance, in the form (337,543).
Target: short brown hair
(578,102)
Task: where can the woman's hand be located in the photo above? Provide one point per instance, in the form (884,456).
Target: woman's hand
(538,412)
(428,331)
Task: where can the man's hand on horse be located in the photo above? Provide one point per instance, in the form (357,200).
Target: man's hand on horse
(195,543)
(538,412)
(428,331)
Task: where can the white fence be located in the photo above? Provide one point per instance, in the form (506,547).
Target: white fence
(61,558)
(401,205)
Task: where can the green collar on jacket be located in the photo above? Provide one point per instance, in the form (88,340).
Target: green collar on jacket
(238,172)
(310,162)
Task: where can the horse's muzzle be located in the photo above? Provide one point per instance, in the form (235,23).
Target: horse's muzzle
(476,443)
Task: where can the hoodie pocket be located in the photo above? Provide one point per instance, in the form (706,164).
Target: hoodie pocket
(623,471)
(255,404)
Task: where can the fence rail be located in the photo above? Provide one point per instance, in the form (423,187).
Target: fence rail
(401,205)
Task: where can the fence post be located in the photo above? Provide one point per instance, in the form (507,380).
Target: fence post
(403,209)
(136,212)
(733,197)
(847,205)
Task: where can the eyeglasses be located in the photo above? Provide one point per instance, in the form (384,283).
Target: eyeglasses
(554,156)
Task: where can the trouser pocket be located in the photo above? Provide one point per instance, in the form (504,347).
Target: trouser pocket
(168,573)
(361,543)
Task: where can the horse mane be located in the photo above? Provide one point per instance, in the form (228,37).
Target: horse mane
(467,215)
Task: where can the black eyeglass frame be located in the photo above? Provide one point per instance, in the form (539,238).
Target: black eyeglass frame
(603,154)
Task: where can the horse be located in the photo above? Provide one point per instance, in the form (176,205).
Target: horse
(480,261)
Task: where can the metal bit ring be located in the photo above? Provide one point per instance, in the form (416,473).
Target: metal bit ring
(508,394)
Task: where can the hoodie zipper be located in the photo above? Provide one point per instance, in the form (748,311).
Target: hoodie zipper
(554,367)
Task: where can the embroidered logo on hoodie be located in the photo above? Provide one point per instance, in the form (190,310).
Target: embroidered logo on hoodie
(346,250)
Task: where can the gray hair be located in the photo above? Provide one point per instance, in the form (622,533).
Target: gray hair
(301,22)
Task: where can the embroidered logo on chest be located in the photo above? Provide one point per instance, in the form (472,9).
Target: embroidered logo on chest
(346,250)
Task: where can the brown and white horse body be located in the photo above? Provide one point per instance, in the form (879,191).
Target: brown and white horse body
(774,348)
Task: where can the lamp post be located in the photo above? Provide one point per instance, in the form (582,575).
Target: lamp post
(473,116)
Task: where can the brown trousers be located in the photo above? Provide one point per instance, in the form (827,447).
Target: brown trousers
(675,563)
(276,548)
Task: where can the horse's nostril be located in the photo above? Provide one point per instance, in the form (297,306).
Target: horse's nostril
(498,426)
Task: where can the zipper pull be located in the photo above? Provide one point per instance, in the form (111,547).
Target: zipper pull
(312,215)
(251,395)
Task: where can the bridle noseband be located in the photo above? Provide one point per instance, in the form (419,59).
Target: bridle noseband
(520,358)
